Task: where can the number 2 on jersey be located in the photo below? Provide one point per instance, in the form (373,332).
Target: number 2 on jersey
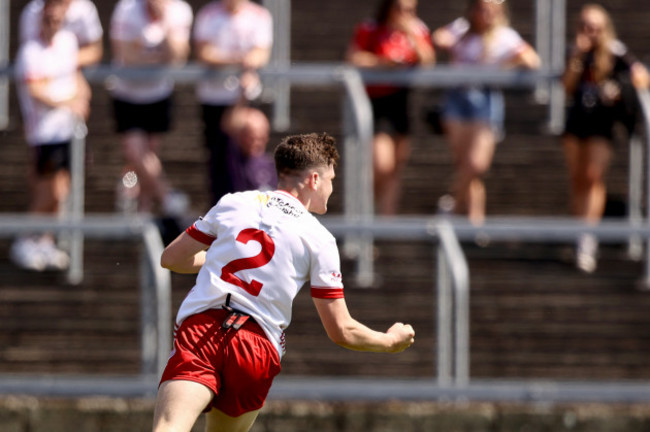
(268,249)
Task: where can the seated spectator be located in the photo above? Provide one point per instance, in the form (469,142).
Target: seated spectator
(473,116)
(248,164)
(597,68)
(81,18)
(236,33)
(53,97)
(145,33)
(396,38)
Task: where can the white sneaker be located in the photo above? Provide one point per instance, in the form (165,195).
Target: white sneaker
(586,253)
(26,253)
(55,258)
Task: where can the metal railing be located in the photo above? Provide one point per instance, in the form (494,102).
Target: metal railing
(155,282)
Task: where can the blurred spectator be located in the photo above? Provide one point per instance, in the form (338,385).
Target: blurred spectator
(146,33)
(81,18)
(53,97)
(396,38)
(235,33)
(248,164)
(597,68)
(473,116)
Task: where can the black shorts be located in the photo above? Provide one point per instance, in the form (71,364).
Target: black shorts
(152,117)
(391,111)
(50,158)
(598,122)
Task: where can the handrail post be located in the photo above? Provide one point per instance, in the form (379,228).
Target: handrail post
(159,287)
(644,102)
(4,62)
(76,202)
(359,193)
(635,191)
(457,278)
(444,327)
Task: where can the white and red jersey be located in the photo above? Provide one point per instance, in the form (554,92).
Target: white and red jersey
(131,22)
(55,65)
(233,35)
(264,246)
(81,18)
(474,49)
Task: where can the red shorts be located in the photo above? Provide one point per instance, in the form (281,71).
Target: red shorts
(237,365)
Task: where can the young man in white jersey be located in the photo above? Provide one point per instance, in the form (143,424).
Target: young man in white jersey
(53,97)
(253,251)
(81,18)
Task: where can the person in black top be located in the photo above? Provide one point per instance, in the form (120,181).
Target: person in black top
(598,72)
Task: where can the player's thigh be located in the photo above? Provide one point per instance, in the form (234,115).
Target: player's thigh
(217,421)
(178,404)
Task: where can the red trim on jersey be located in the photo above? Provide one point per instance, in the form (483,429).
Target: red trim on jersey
(200,236)
(326,292)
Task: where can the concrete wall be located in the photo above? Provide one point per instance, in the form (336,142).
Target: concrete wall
(29,414)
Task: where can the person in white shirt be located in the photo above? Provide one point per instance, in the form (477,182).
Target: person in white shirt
(81,18)
(253,252)
(235,33)
(53,97)
(473,116)
(145,33)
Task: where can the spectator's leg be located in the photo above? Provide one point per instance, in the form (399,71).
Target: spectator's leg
(140,155)
(472,145)
(390,157)
(588,163)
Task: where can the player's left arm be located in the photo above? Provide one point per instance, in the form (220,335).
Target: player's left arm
(184,255)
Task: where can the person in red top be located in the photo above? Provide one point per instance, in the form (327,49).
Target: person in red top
(396,38)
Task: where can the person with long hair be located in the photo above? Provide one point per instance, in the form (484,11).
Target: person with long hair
(395,38)
(597,67)
(473,116)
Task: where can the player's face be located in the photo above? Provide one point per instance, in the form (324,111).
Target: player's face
(324,189)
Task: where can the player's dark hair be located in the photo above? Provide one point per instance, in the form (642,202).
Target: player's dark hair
(295,153)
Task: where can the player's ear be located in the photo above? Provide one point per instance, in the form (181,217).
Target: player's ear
(314,180)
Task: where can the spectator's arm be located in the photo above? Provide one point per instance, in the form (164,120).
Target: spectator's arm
(572,73)
(91,53)
(79,103)
(639,75)
(257,58)
(210,55)
(526,58)
(175,49)
(128,52)
(349,333)
(443,38)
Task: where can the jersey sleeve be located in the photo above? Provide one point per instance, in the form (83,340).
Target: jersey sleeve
(91,30)
(182,21)
(120,25)
(263,37)
(202,25)
(511,43)
(326,279)
(362,38)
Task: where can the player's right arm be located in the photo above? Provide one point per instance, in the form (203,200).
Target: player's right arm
(349,333)
(184,255)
